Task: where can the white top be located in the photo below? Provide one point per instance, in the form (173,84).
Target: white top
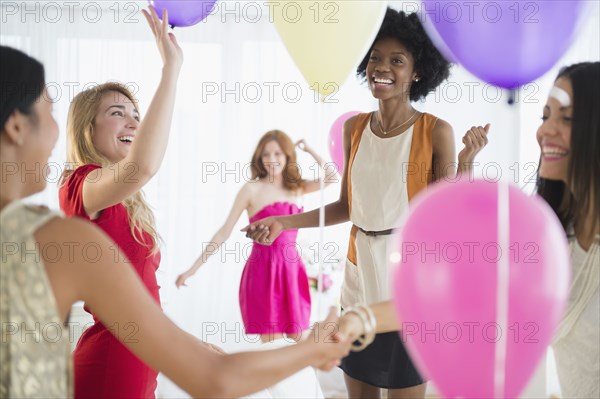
(578,351)
(379,191)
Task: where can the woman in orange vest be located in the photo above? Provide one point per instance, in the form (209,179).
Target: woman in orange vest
(390,155)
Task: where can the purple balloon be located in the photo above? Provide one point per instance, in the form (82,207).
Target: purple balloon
(437,40)
(184,12)
(505,43)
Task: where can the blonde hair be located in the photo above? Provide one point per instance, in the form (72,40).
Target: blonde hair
(81,151)
(292,179)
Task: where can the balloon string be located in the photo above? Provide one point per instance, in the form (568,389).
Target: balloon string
(321,228)
(512,93)
(502,290)
(321,240)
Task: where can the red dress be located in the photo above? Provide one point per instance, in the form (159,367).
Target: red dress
(104,367)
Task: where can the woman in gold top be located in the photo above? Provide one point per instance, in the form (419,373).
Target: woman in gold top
(47,265)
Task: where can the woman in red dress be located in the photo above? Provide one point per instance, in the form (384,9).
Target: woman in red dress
(115,155)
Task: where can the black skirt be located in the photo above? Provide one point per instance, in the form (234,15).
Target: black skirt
(384,364)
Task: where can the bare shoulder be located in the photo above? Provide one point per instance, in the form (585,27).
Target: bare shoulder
(442,136)
(72,241)
(441,128)
(250,188)
(350,123)
(347,130)
(67,229)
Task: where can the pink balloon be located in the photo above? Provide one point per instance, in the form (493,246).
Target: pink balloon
(336,136)
(445,264)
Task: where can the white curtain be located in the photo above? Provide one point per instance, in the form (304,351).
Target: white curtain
(237,82)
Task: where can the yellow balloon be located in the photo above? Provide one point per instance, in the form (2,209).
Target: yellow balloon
(327,39)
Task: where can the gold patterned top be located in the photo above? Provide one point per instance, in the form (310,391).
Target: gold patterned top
(35,358)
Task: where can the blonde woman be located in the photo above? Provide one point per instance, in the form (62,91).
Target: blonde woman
(116,154)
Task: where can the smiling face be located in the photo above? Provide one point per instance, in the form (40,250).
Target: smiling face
(554,134)
(115,125)
(390,70)
(273,158)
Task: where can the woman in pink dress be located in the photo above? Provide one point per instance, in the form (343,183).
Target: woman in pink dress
(274,293)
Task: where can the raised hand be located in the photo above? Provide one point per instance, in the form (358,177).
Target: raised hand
(301,144)
(474,140)
(169,49)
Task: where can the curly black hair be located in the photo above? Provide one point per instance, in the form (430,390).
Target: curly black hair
(431,67)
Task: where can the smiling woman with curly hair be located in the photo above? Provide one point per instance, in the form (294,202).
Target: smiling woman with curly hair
(391,154)
(430,67)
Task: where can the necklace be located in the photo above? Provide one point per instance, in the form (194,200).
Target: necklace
(385,132)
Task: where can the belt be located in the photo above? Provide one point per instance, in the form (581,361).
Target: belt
(377,233)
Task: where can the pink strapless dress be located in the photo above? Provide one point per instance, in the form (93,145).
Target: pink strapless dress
(274,292)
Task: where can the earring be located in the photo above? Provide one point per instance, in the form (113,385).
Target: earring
(416,80)
(19,141)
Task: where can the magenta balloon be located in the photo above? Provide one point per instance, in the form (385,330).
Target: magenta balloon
(506,43)
(445,286)
(336,138)
(184,12)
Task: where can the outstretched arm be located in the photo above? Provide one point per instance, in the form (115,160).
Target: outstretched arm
(242,201)
(115,293)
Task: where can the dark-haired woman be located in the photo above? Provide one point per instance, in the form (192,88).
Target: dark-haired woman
(569,180)
(46,267)
(390,155)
